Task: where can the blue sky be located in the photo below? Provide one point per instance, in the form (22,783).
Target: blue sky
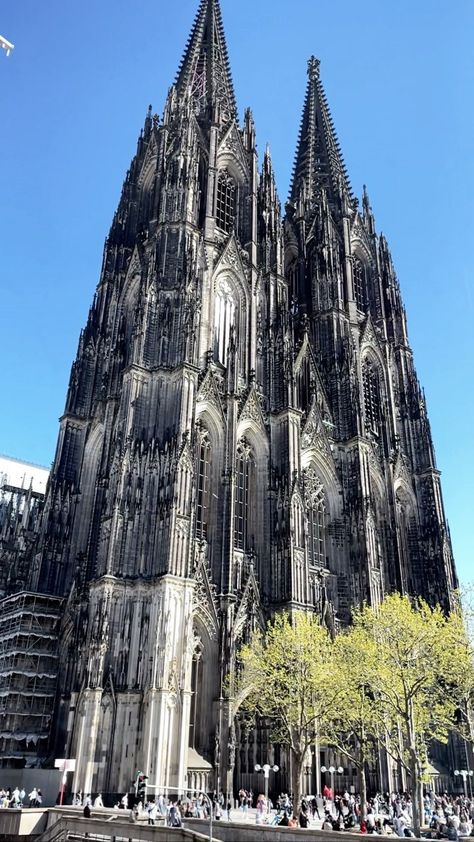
(399,79)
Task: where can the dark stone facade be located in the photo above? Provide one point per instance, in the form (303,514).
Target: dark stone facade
(244,431)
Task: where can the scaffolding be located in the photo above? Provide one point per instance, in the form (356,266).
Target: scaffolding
(29,624)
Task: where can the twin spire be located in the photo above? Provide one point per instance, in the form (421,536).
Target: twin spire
(318,163)
(204,74)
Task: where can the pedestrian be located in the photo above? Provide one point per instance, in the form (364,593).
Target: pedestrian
(15,799)
(303,817)
(174,819)
(33,797)
(98,801)
(261,808)
(152,809)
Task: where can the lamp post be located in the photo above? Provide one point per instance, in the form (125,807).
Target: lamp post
(465,774)
(266,768)
(332,771)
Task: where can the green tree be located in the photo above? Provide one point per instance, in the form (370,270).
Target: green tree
(415,663)
(358,722)
(286,675)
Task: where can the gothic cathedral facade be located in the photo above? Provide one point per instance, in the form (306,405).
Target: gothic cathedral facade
(244,432)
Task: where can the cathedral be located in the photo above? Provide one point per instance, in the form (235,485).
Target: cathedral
(244,432)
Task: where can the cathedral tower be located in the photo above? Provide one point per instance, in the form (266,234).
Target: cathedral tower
(244,432)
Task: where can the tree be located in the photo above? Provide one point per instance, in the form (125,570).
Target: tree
(358,722)
(415,665)
(467,708)
(286,675)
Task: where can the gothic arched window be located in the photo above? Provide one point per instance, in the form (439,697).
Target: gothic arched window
(226,202)
(316,518)
(203,485)
(224,320)
(244,494)
(196,688)
(405,519)
(360,284)
(371,389)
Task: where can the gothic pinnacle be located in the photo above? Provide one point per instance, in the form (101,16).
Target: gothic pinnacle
(313,67)
(318,161)
(204,72)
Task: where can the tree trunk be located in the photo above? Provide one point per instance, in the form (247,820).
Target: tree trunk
(363,792)
(296,770)
(410,721)
(414,791)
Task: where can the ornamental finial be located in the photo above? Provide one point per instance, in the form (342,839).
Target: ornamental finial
(313,67)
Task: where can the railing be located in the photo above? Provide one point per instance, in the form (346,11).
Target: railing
(115,829)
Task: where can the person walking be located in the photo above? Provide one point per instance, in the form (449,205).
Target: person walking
(33,795)
(152,810)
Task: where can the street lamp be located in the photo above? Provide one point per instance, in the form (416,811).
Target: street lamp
(332,771)
(266,774)
(465,774)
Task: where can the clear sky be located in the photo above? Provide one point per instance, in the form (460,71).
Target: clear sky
(399,78)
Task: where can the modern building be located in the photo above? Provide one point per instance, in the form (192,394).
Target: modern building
(244,432)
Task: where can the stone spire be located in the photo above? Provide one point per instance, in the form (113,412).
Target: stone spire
(318,164)
(204,73)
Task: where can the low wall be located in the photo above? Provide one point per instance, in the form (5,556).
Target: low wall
(116,828)
(251,832)
(22,822)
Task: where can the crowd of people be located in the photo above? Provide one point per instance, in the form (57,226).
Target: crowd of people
(445,816)
(18,798)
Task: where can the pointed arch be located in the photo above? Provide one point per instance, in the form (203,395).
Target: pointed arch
(208,454)
(245,492)
(203,655)
(226,201)
(203,483)
(316,517)
(226,319)
(88,487)
(406,525)
(251,534)
(230,317)
(371,393)
(360,283)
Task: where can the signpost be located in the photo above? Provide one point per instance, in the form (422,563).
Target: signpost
(64,766)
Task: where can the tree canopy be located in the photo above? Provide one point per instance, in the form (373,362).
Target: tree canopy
(398,674)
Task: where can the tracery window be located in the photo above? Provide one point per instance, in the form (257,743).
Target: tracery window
(196,689)
(316,518)
(203,485)
(224,320)
(244,494)
(226,202)
(360,284)
(371,389)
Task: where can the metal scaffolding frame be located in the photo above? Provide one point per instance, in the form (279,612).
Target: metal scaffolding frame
(29,624)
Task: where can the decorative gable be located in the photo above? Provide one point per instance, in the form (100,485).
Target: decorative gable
(231,258)
(208,392)
(252,410)
(314,435)
(231,146)
(369,335)
(249,612)
(204,605)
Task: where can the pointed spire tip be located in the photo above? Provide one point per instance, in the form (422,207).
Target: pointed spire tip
(313,67)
